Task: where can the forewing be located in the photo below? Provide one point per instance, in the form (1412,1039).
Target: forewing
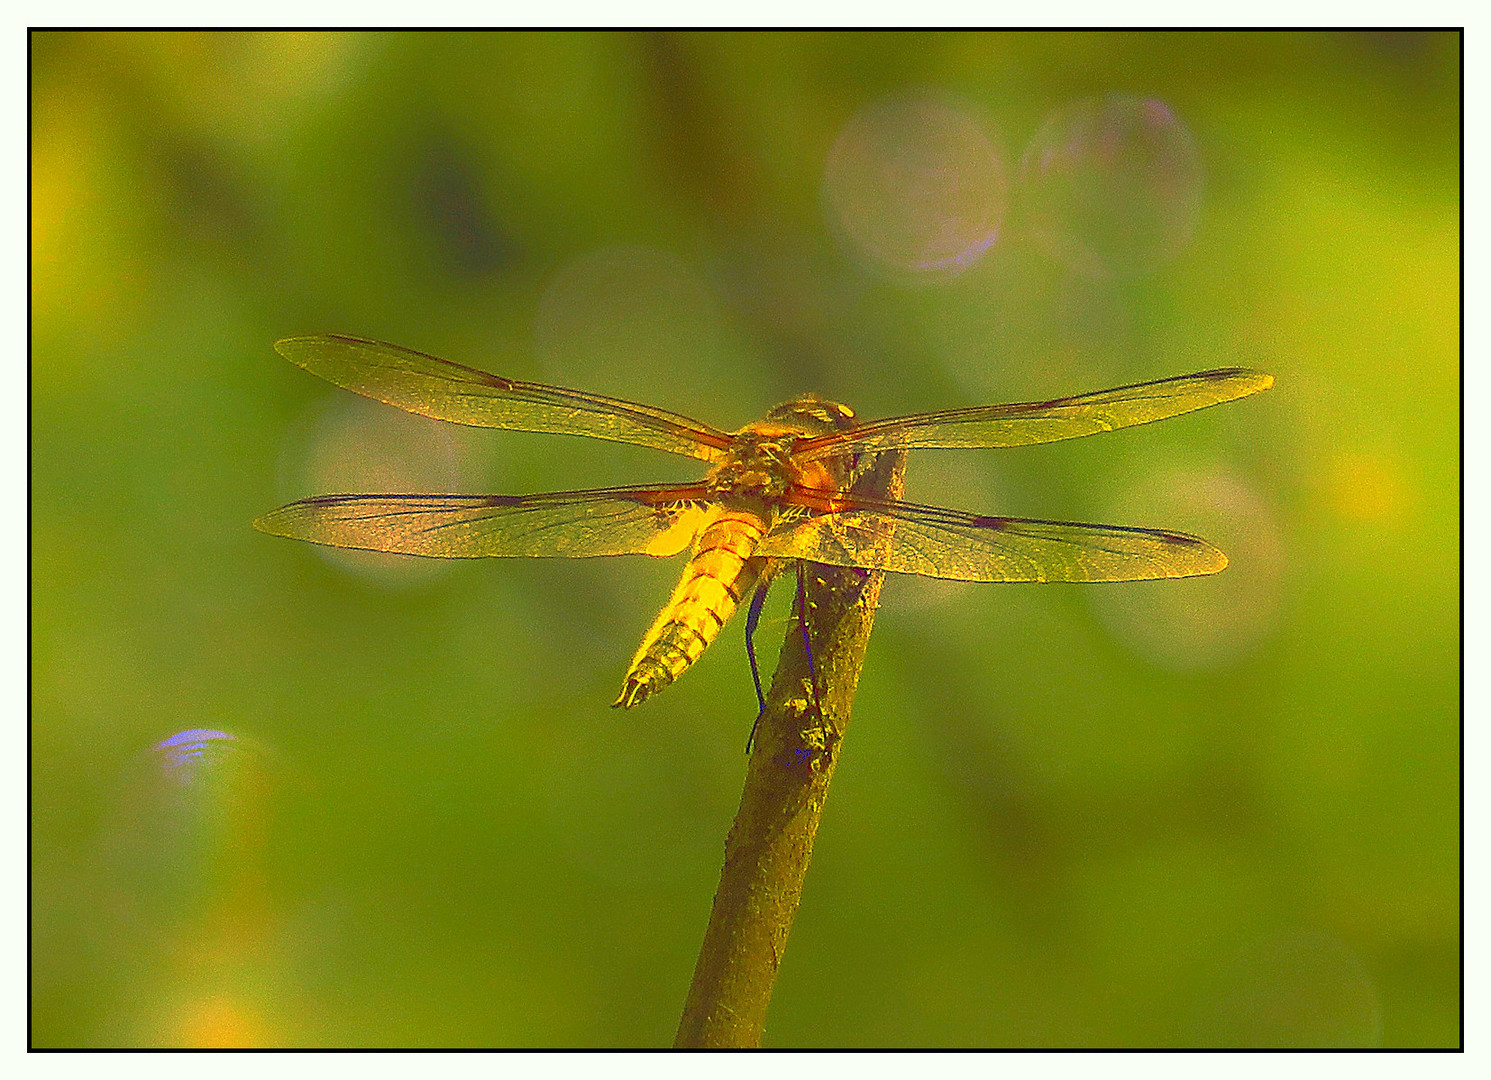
(1024,423)
(427,385)
(909,539)
(657,521)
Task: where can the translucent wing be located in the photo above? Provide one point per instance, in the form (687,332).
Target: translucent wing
(909,539)
(612,521)
(433,387)
(1023,423)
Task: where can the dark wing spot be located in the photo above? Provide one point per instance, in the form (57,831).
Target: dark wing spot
(1181,538)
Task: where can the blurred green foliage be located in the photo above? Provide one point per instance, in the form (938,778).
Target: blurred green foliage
(1216,812)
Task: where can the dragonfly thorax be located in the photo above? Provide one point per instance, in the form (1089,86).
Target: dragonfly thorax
(758,464)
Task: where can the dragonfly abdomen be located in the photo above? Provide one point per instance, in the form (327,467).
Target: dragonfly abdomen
(719,574)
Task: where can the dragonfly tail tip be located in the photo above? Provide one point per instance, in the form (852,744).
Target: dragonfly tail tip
(634,692)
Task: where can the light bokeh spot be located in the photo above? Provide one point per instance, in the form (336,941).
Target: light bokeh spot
(185,755)
(1369,487)
(190,829)
(203,781)
(1200,623)
(916,185)
(210,1021)
(189,894)
(1111,187)
(356,446)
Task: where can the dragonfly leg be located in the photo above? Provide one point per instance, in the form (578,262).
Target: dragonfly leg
(753,616)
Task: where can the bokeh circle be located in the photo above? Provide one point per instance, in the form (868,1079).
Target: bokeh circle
(1111,187)
(916,185)
(1204,623)
(352,446)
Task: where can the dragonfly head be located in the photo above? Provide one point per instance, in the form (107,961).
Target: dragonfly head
(814,415)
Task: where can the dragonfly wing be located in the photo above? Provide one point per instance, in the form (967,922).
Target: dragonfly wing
(657,521)
(1023,423)
(438,388)
(909,539)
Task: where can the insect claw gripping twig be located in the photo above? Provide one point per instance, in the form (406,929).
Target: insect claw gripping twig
(807,638)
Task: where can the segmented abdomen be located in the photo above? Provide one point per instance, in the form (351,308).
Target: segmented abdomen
(719,574)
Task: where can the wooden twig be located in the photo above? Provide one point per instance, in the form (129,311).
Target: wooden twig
(768,847)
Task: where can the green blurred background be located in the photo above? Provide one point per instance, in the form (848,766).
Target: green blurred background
(1213,812)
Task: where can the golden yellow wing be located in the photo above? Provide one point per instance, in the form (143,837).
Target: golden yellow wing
(906,538)
(657,521)
(1024,423)
(419,383)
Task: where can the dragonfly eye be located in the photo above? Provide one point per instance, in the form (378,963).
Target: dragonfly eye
(816,415)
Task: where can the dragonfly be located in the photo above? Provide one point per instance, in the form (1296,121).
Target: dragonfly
(775,492)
